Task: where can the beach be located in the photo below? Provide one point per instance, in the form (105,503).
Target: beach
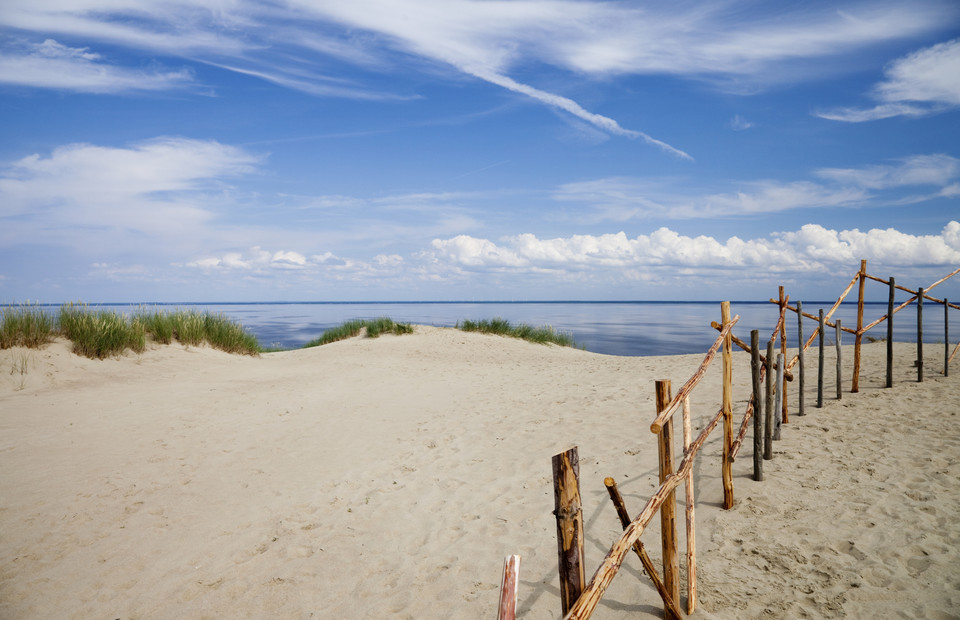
(389,478)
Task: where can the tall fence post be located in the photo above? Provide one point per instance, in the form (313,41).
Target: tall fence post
(757,406)
(768,410)
(946,337)
(668,512)
(920,334)
(859,337)
(781,394)
(893,289)
(800,357)
(727,469)
(784,417)
(839,362)
(820,365)
(566,494)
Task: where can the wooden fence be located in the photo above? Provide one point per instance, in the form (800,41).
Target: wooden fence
(767,409)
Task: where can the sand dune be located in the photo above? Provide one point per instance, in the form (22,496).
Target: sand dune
(388,478)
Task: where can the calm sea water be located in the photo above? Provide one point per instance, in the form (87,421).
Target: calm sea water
(613,328)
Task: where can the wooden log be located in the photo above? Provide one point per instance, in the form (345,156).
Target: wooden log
(855,386)
(920,335)
(690,516)
(670,606)
(783,351)
(692,382)
(768,409)
(800,357)
(742,433)
(607,570)
(839,364)
(820,365)
(756,397)
(890,299)
(743,345)
(780,395)
(509,588)
(727,465)
(566,494)
(946,338)
(954,354)
(668,513)
(827,322)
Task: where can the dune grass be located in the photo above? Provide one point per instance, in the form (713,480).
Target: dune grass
(349,329)
(25,325)
(99,334)
(502,327)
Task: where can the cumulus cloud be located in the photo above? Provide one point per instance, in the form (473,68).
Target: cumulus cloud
(919,84)
(813,247)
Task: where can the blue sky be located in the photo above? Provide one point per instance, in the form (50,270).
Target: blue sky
(220,150)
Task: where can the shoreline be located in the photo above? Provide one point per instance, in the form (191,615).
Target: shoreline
(390,477)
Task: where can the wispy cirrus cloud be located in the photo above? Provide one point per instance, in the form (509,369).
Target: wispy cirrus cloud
(627,198)
(53,65)
(312,46)
(919,84)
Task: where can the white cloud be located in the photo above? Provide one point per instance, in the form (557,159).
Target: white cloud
(53,65)
(627,198)
(813,247)
(738,123)
(924,82)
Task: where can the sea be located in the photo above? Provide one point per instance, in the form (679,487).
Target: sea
(632,328)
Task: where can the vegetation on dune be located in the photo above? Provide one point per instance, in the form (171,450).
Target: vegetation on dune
(103,333)
(349,329)
(502,327)
(25,326)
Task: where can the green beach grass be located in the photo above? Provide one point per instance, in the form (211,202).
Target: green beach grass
(349,329)
(502,327)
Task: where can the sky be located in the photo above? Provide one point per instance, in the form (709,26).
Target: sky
(475,150)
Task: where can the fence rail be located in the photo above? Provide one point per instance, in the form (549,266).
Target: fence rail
(767,411)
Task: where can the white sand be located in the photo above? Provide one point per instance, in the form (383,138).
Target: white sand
(388,478)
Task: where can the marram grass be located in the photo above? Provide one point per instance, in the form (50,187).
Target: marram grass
(349,329)
(502,327)
(101,333)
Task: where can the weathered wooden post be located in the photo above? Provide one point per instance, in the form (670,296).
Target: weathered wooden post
(859,336)
(757,406)
(781,394)
(768,410)
(727,469)
(946,337)
(800,357)
(509,588)
(893,290)
(783,350)
(690,504)
(839,362)
(670,608)
(920,334)
(820,365)
(668,512)
(566,495)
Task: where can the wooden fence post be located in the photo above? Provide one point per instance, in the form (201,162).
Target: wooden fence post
(668,512)
(800,357)
(768,410)
(509,588)
(566,494)
(859,337)
(757,406)
(727,469)
(690,514)
(920,334)
(820,365)
(781,394)
(784,416)
(946,337)
(893,289)
(839,363)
